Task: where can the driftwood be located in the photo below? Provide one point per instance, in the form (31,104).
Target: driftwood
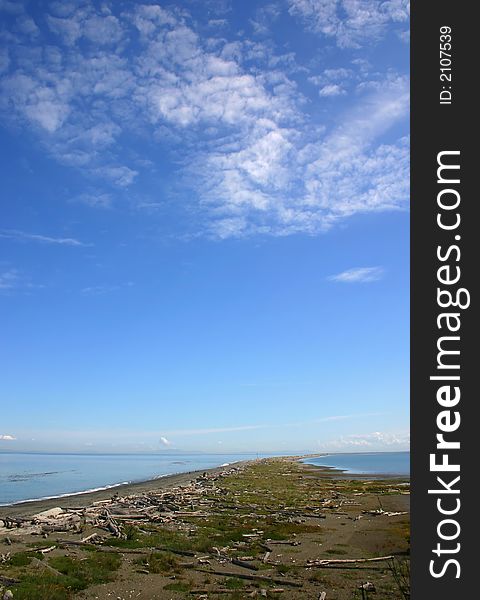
(60,528)
(322,596)
(339,561)
(174,551)
(44,550)
(89,538)
(367,586)
(244,564)
(385,513)
(229,591)
(251,577)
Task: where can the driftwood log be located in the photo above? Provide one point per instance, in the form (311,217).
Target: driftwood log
(251,577)
(340,561)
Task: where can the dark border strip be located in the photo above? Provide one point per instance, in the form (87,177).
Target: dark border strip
(444,128)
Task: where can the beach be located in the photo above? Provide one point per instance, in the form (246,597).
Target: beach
(31,507)
(269,527)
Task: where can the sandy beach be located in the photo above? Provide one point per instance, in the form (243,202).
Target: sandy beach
(84,498)
(273,528)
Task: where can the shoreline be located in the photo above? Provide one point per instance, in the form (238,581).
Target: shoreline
(80,499)
(336,472)
(258,523)
(112,486)
(345,474)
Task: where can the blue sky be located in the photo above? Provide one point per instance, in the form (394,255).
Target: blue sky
(204,233)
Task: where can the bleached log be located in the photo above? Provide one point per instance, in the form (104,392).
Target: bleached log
(338,561)
(251,577)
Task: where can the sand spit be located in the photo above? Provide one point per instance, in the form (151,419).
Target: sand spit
(273,528)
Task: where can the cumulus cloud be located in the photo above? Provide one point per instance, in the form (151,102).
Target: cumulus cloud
(332,89)
(351,23)
(7,437)
(376,440)
(165,442)
(359,275)
(227,113)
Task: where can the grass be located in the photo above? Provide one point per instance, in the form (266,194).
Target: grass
(400,571)
(284,569)
(97,568)
(159,537)
(22,559)
(44,587)
(160,562)
(76,575)
(178,586)
(233,583)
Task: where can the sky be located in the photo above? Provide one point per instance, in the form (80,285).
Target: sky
(204,228)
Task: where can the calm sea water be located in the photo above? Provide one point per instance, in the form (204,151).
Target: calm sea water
(27,476)
(366,463)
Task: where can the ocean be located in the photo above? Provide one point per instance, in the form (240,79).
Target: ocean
(32,476)
(366,463)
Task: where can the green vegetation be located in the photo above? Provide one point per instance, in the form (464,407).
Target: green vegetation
(22,559)
(44,587)
(234,583)
(160,562)
(178,586)
(75,575)
(97,568)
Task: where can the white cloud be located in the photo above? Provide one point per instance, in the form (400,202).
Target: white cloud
(99,290)
(165,442)
(253,160)
(209,430)
(359,275)
(27,25)
(98,199)
(306,186)
(7,437)
(12,280)
(119,175)
(43,239)
(352,23)
(10,6)
(370,441)
(332,89)
(9,280)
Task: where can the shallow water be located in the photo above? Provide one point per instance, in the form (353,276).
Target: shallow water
(366,463)
(28,476)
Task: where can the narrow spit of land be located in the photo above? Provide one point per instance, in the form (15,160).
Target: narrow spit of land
(273,528)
